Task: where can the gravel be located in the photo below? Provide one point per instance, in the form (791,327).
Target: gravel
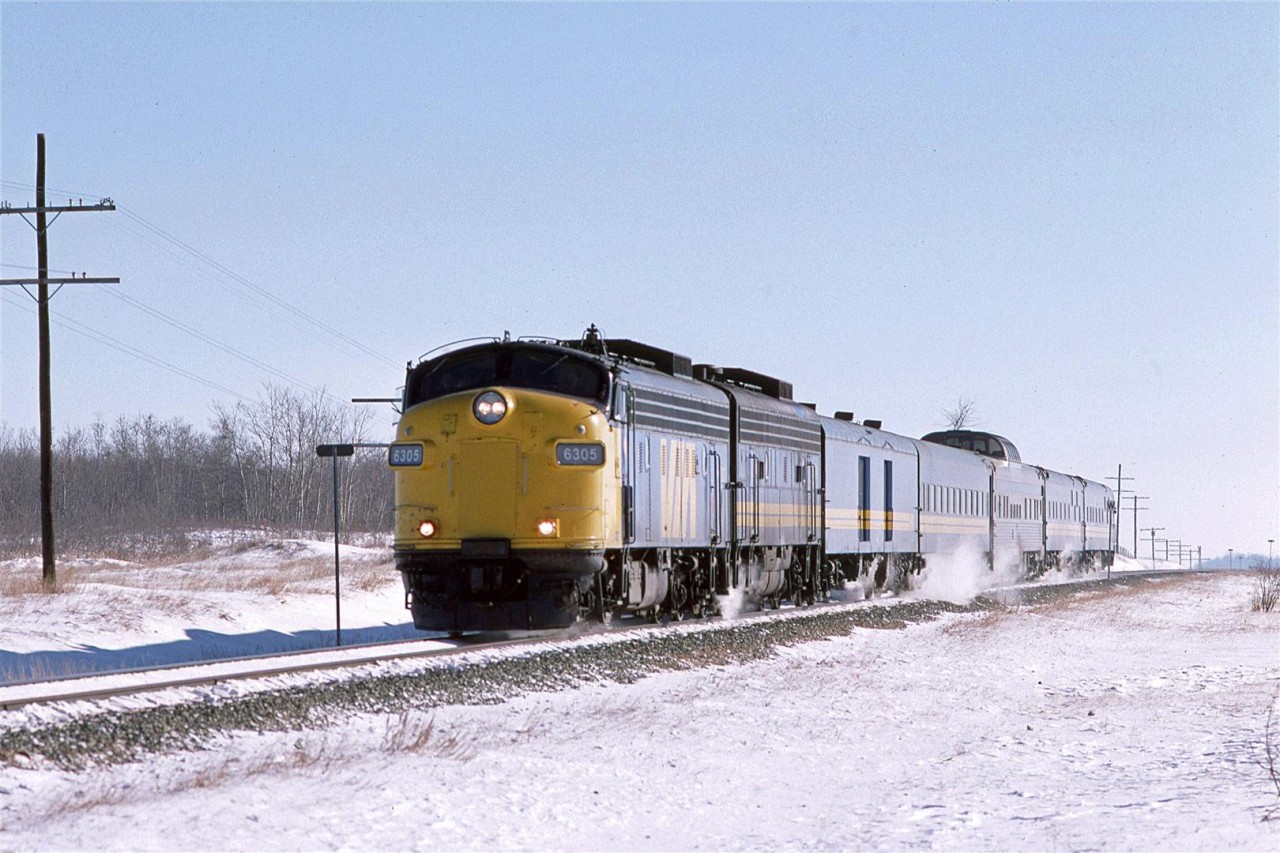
(112,737)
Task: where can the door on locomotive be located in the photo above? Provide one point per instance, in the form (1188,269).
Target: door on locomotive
(774,534)
(673,433)
(621,410)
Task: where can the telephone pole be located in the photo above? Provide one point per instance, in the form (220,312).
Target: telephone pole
(1153,531)
(41,283)
(1119,481)
(1120,493)
(1135,499)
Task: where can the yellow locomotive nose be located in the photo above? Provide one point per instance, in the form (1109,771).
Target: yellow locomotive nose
(504,463)
(512,487)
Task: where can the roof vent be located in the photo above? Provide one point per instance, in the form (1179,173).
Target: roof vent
(706,372)
(767,385)
(844,416)
(666,361)
(872,424)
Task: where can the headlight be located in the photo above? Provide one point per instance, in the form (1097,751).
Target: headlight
(427,529)
(548,527)
(490,407)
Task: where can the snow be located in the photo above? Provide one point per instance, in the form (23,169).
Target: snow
(1114,719)
(274,595)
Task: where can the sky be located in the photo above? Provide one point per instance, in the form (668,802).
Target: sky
(1065,213)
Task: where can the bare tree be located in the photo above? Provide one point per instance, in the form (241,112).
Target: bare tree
(1266,587)
(962,415)
(273,447)
(141,483)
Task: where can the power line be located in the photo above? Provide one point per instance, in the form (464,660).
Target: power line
(120,346)
(18,185)
(87,331)
(214,342)
(29,267)
(227,272)
(165,243)
(260,291)
(203,273)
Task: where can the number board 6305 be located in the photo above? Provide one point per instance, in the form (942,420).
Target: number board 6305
(405,455)
(580,453)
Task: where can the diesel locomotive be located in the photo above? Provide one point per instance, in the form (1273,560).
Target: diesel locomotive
(539,482)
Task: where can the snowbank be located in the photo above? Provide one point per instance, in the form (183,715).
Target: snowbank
(1123,719)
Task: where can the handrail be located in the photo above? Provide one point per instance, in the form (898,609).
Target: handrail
(423,357)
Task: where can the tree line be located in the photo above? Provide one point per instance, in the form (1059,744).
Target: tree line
(255,466)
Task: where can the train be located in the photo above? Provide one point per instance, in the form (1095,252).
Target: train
(540,482)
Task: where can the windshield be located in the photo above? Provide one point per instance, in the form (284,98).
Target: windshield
(536,369)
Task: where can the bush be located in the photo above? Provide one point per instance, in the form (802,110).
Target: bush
(1266,588)
(145,480)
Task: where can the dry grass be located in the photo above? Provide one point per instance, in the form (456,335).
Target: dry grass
(92,793)
(162,547)
(1090,596)
(29,581)
(85,798)
(970,626)
(209,560)
(371,577)
(1069,605)
(411,732)
(287,576)
(312,754)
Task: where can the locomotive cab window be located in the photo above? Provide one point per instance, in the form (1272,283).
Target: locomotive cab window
(534,369)
(559,373)
(462,373)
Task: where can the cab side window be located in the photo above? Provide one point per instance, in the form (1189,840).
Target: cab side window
(621,407)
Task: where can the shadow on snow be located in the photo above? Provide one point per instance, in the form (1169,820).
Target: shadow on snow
(199,646)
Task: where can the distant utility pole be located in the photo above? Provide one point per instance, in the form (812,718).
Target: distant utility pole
(1153,531)
(1135,499)
(42,297)
(1120,492)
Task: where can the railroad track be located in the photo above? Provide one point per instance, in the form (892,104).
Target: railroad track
(126,682)
(208,673)
(106,685)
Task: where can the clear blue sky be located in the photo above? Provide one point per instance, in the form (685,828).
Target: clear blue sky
(1067,213)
